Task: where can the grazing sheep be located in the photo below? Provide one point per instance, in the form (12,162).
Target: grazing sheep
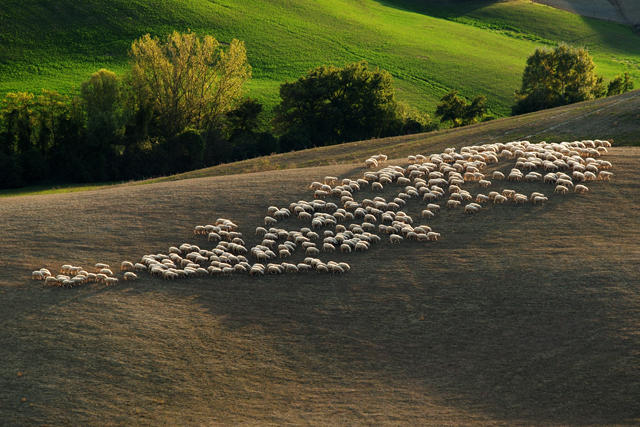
(427,214)
(395,238)
(126,265)
(499,199)
(110,281)
(130,276)
(539,200)
(581,189)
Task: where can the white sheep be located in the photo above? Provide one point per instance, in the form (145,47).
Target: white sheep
(110,281)
(539,200)
(427,214)
(395,238)
(131,276)
(581,189)
(126,265)
(499,199)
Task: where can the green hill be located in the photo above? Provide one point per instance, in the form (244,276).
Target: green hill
(429,47)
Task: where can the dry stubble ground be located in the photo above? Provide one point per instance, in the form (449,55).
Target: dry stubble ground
(520,315)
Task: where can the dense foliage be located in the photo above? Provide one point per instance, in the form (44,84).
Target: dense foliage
(554,77)
(331,105)
(182,108)
(455,109)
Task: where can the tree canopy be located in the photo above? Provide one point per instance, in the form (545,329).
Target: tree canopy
(455,109)
(559,76)
(619,85)
(186,81)
(331,105)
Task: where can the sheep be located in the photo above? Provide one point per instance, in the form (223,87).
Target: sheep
(433,207)
(131,276)
(520,198)
(110,281)
(312,250)
(376,186)
(50,281)
(606,176)
(106,271)
(581,189)
(451,204)
(508,193)
(371,163)
(499,199)
(395,238)
(481,198)
(427,214)
(126,265)
(270,220)
(37,275)
(431,235)
(470,209)
(99,266)
(328,247)
(483,183)
(539,200)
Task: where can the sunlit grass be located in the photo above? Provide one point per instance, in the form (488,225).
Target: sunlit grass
(430,48)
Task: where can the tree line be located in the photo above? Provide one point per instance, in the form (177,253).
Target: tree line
(182,107)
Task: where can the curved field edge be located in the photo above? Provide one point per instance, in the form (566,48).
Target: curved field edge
(520,315)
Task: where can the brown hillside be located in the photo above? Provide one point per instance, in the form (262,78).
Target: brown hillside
(520,315)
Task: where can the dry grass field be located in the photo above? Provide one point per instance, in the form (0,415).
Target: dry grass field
(520,315)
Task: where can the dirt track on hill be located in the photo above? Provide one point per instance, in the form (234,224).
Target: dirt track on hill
(520,315)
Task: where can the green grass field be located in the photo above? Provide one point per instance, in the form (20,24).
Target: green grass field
(430,48)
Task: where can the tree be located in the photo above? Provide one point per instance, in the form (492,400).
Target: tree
(618,86)
(187,82)
(332,105)
(455,109)
(555,77)
(102,100)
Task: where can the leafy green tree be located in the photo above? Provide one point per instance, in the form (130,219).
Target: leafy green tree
(332,105)
(555,77)
(618,85)
(455,109)
(187,82)
(18,119)
(102,99)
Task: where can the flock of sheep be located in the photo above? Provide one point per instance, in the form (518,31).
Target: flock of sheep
(567,165)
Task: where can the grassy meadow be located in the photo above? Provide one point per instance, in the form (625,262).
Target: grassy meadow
(429,47)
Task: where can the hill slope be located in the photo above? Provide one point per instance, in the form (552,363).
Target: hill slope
(429,47)
(520,315)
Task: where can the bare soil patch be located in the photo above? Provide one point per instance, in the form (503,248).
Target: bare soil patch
(520,315)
